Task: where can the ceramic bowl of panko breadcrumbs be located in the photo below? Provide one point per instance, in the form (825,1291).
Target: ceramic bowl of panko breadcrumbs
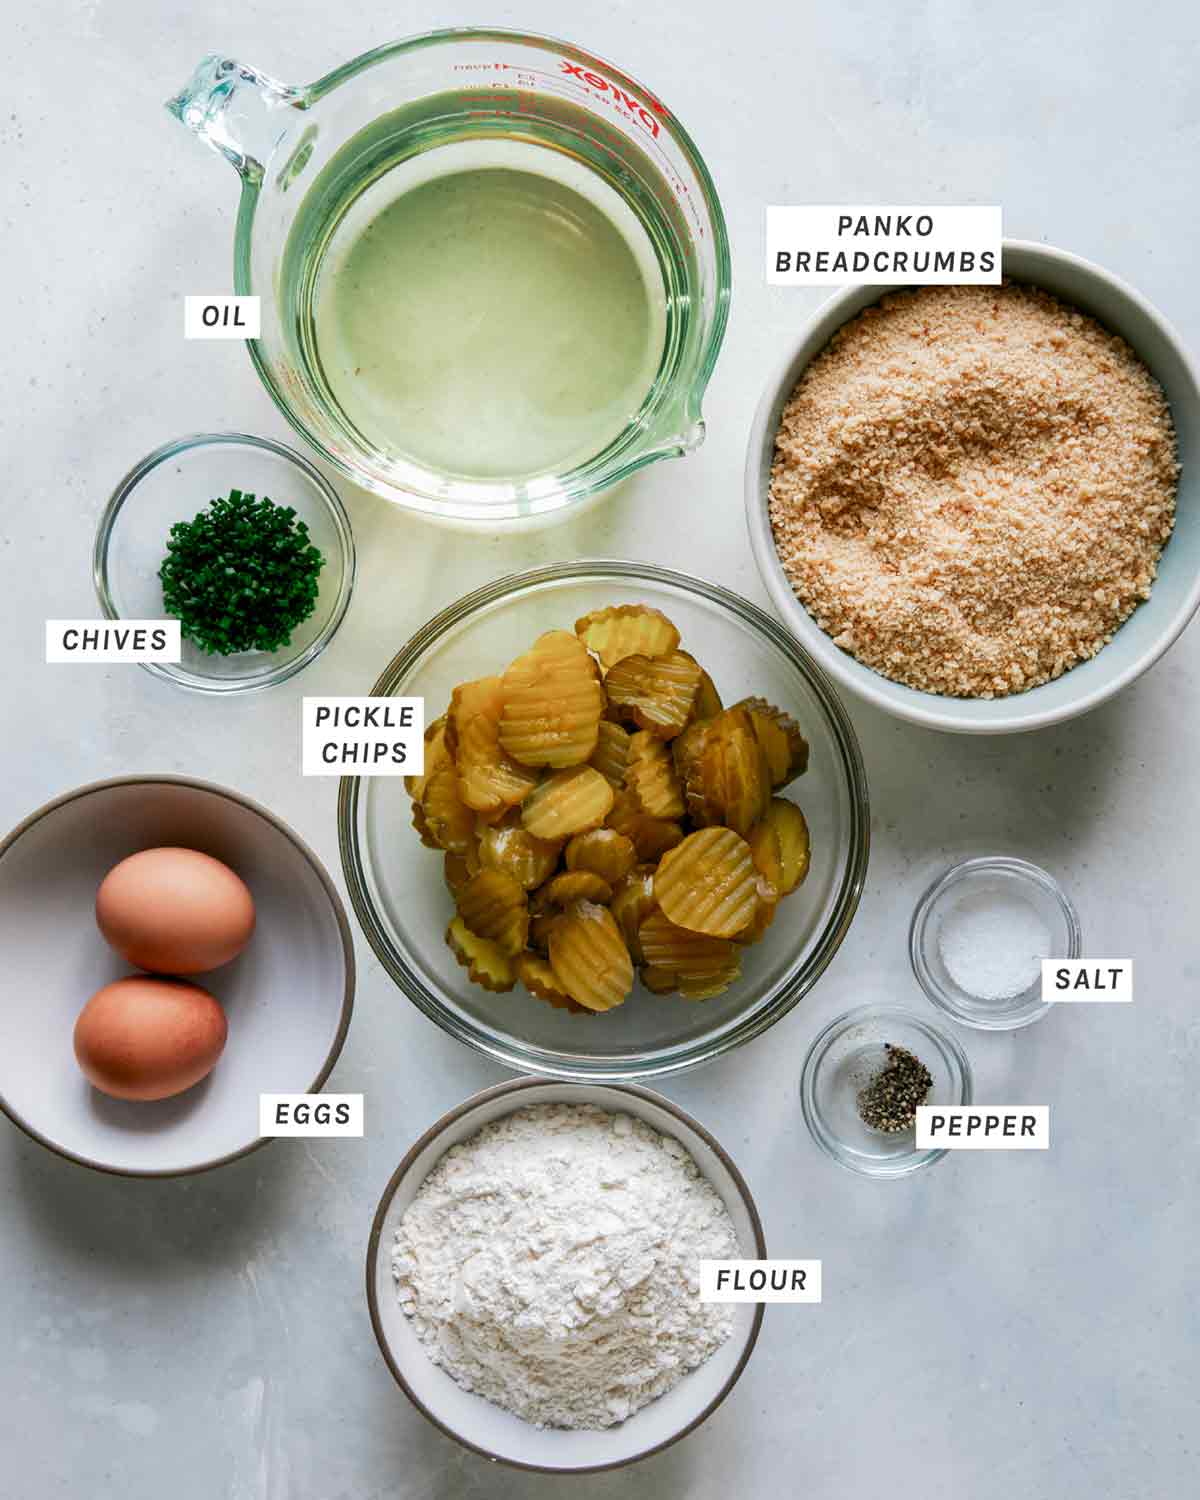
(614,1194)
(978,507)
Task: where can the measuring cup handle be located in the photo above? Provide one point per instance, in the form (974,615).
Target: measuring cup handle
(235,110)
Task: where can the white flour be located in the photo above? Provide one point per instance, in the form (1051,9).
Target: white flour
(551,1264)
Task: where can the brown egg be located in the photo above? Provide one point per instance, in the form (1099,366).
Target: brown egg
(175,911)
(147,1038)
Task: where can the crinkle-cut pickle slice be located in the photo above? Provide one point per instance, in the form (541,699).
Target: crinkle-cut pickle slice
(604,851)
(447,818)
(708,701)
(650,776)
(589,957)
(778,733)
(484,962)
(657,692)
(632,902)
(708,883)
(788,822)
(567,802)
(512,848)
(723,770)
(493,906)
(651,837)
(611,752)
(667,946)
(624,630)
(436,755)
(459,868)
(578,885)
(552,702)
(537,976)
(489,780)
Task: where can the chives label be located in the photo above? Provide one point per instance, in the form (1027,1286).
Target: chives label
(112,640)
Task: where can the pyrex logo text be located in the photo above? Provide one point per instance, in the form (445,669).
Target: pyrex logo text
(576,70)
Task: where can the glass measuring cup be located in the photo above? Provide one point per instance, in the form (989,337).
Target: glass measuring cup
(313,159)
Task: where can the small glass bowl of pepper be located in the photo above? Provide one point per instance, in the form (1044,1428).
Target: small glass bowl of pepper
(863,1079)
(280,595)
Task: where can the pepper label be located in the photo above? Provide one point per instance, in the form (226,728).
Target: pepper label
(991,1127)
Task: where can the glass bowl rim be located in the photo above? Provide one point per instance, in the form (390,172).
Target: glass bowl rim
(516,1056)
(947,1044)
(454,503)
(1007,864)
(192,442)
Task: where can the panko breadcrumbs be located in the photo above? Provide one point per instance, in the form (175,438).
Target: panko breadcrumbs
(972,486)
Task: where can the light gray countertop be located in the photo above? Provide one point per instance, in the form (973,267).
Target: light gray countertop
(1003,1325)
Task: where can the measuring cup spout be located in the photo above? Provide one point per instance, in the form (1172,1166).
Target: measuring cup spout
(236,110)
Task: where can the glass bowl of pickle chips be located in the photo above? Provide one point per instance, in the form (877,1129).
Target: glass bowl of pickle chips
(641,832)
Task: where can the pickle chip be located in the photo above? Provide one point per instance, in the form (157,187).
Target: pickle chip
(578,885)
(447,818)
(421,825)
(659,981)
(703,966)
(611,753)
(627,630)
(489,780)
(459,868)
(708,883)
(567,802)
(589,957)
(512,848)
(485,963)
(538,978)
(650,776)
(552,702)
(632,902)
(708,701)
(436,755)
(657,692)
(651,837)
(788,822)
(604,851)
(724,771)
(494,907)
(778,733)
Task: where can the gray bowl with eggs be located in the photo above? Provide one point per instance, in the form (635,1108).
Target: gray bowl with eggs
(1150,629)
(287,997)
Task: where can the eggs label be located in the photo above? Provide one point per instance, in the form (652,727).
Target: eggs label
(760,1281)
(830,244)
(362,736)
(310,1114)
(991,1127)
(112,640)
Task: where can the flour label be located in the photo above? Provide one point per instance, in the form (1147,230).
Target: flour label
(835,244)
(760,1281)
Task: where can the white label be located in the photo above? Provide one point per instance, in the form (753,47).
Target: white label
(834,244)
(363,736)
(112,640)
(310,1114)
(222,317)
(760,1281)
(1102,979)
(983,1127)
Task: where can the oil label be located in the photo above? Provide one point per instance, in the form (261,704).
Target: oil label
(760,1281)
(1100,979)
(991,1127)
(310,1114)
(102,641)
(221,317)
(833,244)
(362,736)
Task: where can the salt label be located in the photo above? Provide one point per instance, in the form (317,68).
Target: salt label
(1107,980)
(760,1281)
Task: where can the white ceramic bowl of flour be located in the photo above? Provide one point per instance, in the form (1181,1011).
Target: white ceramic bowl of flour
(1150,629)
(490,1429)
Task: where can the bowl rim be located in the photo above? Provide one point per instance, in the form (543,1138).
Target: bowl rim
(513,1088)
(935,710)
(845,901)
(818,1049)
(347,1008)
(190,442)
(980,864)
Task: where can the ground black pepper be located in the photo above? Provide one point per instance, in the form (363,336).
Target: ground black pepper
(889,1101)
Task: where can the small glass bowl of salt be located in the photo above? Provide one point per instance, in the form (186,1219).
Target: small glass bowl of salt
(979,935)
